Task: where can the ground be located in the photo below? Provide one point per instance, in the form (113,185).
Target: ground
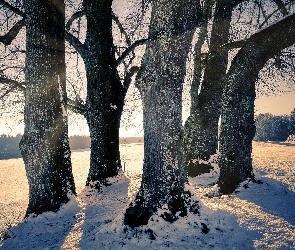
(258,216)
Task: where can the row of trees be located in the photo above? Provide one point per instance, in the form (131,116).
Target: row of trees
(219,88)
(274,128)
(9,145)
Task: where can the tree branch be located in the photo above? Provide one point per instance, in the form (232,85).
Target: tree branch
(12,8)
(12,33)
(8,91)
(16,84)
(74,17)
(74,41)
(120,26)
(206,57)
(76,106)
(130,49)
(282,7)
(129,75)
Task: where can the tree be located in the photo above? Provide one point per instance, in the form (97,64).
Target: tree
(160,81)
(272,128)
(292,123)
(44,145)
(105,91)
(237,123)
(201,128)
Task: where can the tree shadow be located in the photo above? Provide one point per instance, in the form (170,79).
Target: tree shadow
(274,197)
(103,209)
(47,230)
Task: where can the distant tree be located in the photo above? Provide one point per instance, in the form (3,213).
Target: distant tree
(9,146)
(292,123)
(44,145)
(160,81)
(79,142)
(272,128)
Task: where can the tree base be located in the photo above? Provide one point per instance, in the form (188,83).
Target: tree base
(136,215)
(194,170)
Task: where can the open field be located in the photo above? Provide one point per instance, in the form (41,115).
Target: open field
(261,216)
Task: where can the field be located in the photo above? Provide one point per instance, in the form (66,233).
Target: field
(257,216)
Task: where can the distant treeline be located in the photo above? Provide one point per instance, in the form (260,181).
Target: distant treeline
(274,128)
(9,145)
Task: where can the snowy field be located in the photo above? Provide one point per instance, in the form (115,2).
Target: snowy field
(257,216)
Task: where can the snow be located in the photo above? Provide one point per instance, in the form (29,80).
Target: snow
(257,216)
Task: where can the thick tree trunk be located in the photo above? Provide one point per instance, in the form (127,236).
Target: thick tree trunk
(105,93)
(45,146)
(160,83)
(237,126)
(201,128)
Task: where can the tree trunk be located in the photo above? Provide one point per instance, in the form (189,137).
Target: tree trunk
(105,93)
(237,126)
(44,145)
(201,128)
(160,83)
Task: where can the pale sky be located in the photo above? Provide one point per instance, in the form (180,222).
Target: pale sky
(277,105)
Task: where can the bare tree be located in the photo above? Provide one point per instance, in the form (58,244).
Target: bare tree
(105,91)
(201,128)
(44,145)
(237,126)
(160,81)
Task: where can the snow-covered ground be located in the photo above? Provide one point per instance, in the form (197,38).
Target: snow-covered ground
(258,216)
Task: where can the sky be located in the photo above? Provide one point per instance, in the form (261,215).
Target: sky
(280,104)
(277,105)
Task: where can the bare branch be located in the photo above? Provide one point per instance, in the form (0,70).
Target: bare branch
(76,106)
(206,57)
(275,11)
(129,75)
(12,8)
(74,17)
(8,91)
(74,41)
(122,30)
(282,7)
(130,49)
(12,33)
(16,84)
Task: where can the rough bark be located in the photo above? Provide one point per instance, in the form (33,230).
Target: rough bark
(160,83)
(237,126)
(105,92)
(44,145)
(201,128)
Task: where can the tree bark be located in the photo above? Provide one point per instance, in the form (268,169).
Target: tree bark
(105,92)
(237,126)
(160,83)
(201,128)
(44,145)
